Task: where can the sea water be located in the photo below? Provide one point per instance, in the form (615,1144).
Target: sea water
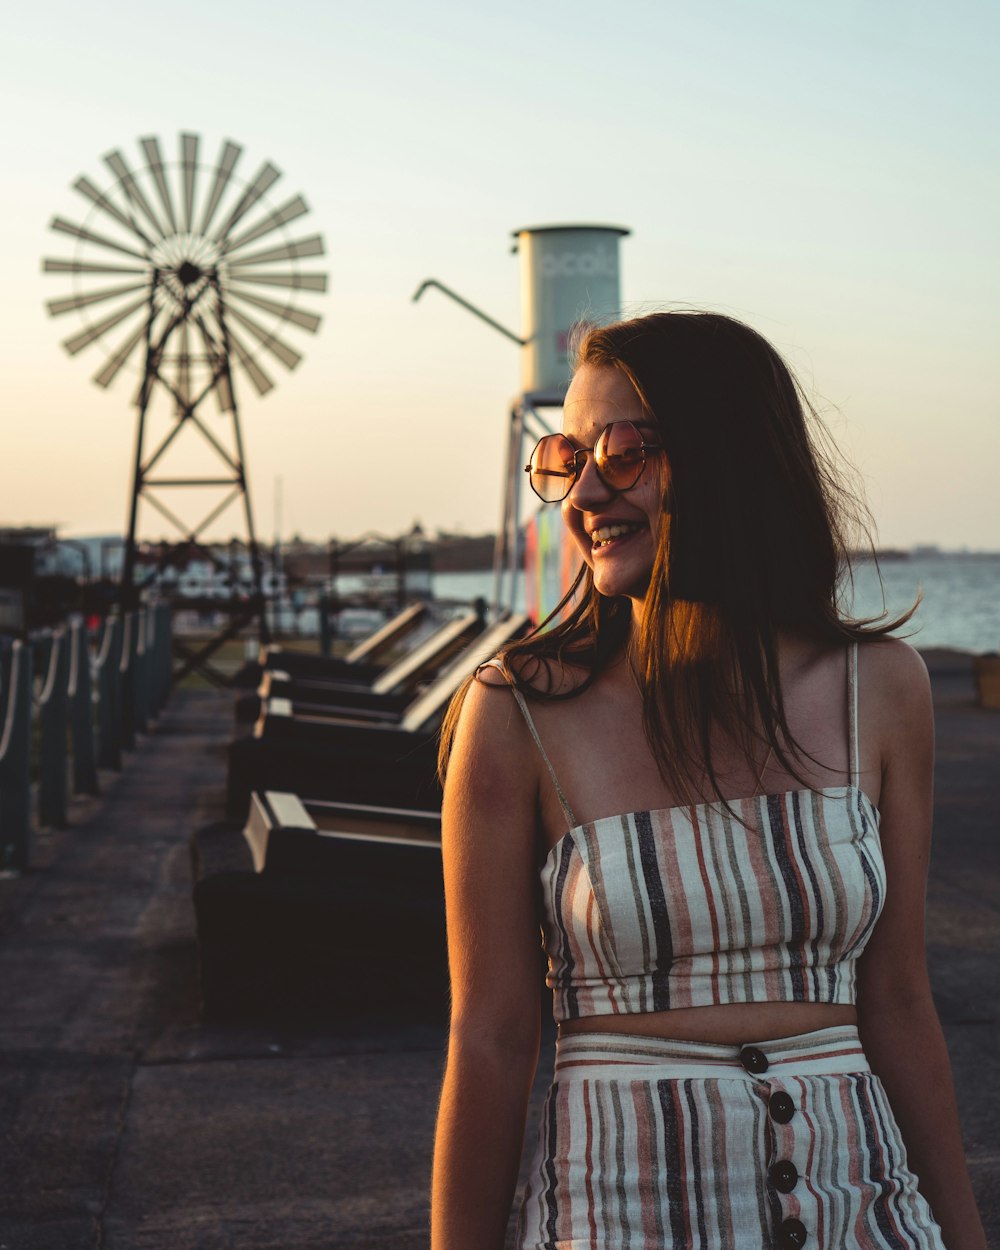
(959,605)
(960,598)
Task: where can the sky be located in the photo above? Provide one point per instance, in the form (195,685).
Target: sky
(827,173)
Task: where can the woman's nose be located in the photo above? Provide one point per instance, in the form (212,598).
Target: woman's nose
(588,489)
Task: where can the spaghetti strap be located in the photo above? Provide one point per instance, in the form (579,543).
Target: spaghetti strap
(854,762)
(529,721)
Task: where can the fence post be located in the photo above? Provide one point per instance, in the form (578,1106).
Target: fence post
(81,714)
(140,667)
(168,650)
(40,643)
(164,653)
(154,642)
(325,627)
(126,670)
(53,757)
(15,761)
(109,733)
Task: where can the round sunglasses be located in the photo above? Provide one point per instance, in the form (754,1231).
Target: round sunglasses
(619,459)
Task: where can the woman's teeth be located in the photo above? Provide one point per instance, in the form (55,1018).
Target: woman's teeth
(608,533)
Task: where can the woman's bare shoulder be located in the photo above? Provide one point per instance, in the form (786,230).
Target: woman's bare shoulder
(491,784)
(490,729)
(493,745)
(895,700)
(891,669)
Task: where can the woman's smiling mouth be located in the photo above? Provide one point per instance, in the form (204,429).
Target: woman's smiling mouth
(607,535)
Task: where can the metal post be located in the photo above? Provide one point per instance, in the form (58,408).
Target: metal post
(152,662)
(109,739)
(514,520)
(53,761)
(140,678)
(505,550)
(126,670)
(166,655)
(81,711)
(15,763)
(400,546)
(325,632)
(158,656)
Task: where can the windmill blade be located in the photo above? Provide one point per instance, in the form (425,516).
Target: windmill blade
(288,356)
(57,307)
(79,341)
(265,177)
(189,176)
(81,266)
(293,281)
(312,246)
(157,237)
(280,217)
(308,321)
(88,236)
(130,186)
(115,363)
(97,197)
(228,157)
(261,382)
(154,159)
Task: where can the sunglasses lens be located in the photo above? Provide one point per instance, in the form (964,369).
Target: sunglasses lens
(552,468)
(619,455)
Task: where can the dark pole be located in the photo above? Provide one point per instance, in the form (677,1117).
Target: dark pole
(400,574)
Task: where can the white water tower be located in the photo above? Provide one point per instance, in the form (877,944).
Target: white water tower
(569,277)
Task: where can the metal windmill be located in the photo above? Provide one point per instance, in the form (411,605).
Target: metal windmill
(187,271)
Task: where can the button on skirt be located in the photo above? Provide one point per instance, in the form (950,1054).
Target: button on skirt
(650,1144)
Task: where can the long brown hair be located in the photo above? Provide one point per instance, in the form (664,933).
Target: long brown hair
(757,531)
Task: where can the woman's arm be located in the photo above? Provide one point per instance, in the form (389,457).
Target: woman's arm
(490,871)
(897,1018)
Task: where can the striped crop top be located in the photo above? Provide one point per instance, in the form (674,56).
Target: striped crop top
(688,907)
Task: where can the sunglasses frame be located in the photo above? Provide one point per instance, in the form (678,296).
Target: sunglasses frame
(571,479)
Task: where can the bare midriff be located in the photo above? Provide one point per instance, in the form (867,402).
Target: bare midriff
(728,1024)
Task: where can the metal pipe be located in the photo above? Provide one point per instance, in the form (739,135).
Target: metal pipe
(476,312)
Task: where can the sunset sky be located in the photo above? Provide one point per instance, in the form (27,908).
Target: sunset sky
(827,173)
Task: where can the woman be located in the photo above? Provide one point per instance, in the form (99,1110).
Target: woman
(718,805)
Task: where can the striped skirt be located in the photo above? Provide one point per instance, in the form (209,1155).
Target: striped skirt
(647,1144)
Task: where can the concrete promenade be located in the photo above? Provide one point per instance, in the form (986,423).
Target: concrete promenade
(127,1124)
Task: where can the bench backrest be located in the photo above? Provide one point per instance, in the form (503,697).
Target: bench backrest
(435,698)
(429,653)
(388,634)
